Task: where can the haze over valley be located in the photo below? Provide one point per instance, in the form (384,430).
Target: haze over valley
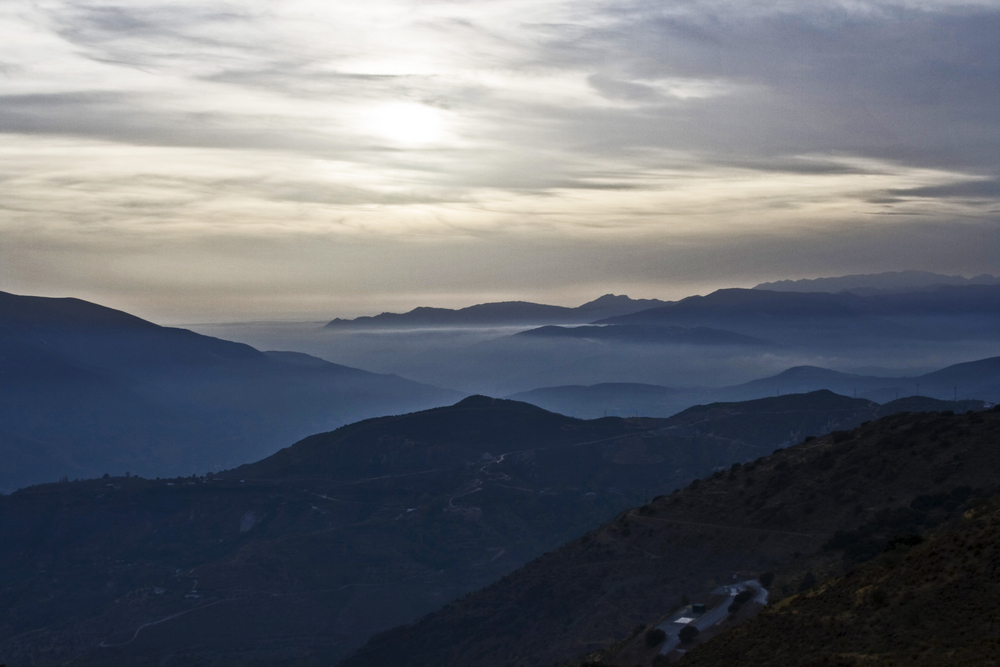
(725,338)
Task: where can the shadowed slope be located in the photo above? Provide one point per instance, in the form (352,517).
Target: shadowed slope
(927,605)
(756,517)
(100,390)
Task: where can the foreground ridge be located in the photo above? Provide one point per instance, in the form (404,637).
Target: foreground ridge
(836,499)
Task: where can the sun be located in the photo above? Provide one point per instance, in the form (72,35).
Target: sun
(408,123)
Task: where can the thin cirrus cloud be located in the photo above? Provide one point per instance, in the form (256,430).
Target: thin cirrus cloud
(528,135)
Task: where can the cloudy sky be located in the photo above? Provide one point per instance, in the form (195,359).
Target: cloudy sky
(208,160)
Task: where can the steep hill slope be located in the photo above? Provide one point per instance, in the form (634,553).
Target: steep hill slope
(97,390)
(930,604)
(890,476)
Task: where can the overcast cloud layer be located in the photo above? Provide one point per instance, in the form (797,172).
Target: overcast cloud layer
(218,160)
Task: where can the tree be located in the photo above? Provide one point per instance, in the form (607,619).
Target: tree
(688,633)
(766,579)
(741,598)
(655,637)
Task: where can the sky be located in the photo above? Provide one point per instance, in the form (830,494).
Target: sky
(198,161)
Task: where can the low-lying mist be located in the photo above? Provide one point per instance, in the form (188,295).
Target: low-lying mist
(492,361)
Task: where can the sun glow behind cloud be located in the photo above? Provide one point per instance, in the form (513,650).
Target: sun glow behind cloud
(407,123)
(506,124)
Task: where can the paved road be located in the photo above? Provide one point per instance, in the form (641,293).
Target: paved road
(712,616)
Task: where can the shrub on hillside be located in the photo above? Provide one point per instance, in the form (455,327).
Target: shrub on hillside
(688,633)
(655,637)
(741,598)
(903,541)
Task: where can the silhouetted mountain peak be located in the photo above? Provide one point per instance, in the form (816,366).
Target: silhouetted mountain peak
(607,300)
(481,401)
(21,310)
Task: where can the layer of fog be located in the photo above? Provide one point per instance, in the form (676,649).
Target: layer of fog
(489,361)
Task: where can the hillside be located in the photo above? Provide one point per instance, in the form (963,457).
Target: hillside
(895,475)
(778,421)
(299,558)
(96,390)
(930,604)
(506,313)
(619,399)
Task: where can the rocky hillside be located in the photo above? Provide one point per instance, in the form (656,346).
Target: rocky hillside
(925,604)
(842,496)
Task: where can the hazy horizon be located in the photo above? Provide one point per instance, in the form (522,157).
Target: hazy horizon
(220,161)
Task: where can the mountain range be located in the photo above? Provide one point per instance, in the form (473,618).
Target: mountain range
(973,381)
(88,389)
(810,318)
(932,327)
(505,313)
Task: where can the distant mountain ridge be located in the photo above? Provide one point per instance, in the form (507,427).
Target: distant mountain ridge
(877,283)
(970,381)
(978,379)
(759,303)
(502,313)
(821,320)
